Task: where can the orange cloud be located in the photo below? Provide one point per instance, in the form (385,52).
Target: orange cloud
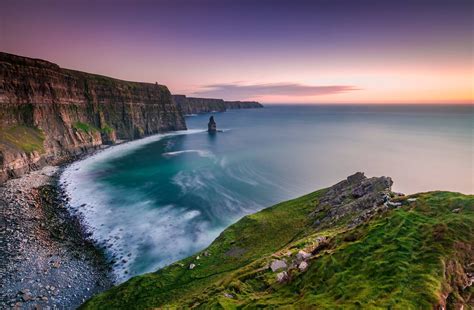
(238,91)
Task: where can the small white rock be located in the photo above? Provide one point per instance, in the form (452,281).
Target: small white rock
(228,295)
(411,199)
(191,266)
(303,266)
(394,204)
(282,276)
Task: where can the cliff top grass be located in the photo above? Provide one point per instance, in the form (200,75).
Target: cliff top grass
(405,258)
(23,138)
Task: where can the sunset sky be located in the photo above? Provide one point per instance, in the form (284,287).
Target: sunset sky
(320,51)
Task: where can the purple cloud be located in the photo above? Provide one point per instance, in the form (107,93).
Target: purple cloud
(282,89)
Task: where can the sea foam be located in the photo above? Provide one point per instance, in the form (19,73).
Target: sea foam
(125,231)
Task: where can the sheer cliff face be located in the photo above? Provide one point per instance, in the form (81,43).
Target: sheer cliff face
(242,105)
(191,105)
(47,112)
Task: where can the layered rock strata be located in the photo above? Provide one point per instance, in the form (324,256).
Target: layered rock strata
(47,112)
(191,105)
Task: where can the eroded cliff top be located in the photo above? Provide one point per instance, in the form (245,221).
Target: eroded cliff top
(16,60)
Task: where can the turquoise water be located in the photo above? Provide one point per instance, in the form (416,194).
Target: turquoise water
(153,201)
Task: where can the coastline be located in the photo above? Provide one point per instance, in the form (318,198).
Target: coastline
(74,180)
(48,261)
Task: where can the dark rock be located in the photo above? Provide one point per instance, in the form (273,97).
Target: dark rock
(321,244)
(212,126)
(357,196)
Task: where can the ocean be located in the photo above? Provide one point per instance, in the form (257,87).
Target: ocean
(156,200)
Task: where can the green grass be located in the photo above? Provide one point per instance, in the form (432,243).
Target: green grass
(106,129)
(23,138)
(84,127)
(395,261)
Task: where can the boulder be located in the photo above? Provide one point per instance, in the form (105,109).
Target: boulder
(302,255)
(282,277)
(303,266)
(277,265)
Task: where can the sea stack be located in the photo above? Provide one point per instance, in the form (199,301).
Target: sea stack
(212,126)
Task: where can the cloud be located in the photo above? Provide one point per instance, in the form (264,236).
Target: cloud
(239,91)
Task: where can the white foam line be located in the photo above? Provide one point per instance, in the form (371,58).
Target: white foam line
(121,150)
(91,201)
(201,153)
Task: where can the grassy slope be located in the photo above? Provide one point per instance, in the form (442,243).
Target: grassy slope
(397,260)
(26,139)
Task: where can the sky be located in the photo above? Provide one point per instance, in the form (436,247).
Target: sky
(320,51)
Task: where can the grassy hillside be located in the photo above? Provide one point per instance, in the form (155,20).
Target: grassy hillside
(411,257)
(23,138)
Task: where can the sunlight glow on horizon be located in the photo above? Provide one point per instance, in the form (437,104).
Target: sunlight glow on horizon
(392,52)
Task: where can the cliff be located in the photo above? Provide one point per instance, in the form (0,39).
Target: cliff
(48,113)
(191,105)
(242,105)
(354,245)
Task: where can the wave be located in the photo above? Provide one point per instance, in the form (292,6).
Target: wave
(125,222)
(201,153)
(123,149)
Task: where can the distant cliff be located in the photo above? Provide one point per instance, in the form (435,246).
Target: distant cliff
(191,105)
(242,105)
(47,112)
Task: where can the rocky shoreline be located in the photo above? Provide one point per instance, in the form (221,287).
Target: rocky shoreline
(47,262)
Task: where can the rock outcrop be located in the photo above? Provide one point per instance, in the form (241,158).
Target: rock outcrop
(357,198)
(212,126)
(47,112)
(191,105)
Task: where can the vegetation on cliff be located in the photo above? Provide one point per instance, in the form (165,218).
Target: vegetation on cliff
(390,252)
(22,139)
(72,112)
(87,128)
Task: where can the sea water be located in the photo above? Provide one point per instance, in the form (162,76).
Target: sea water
(153,201)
